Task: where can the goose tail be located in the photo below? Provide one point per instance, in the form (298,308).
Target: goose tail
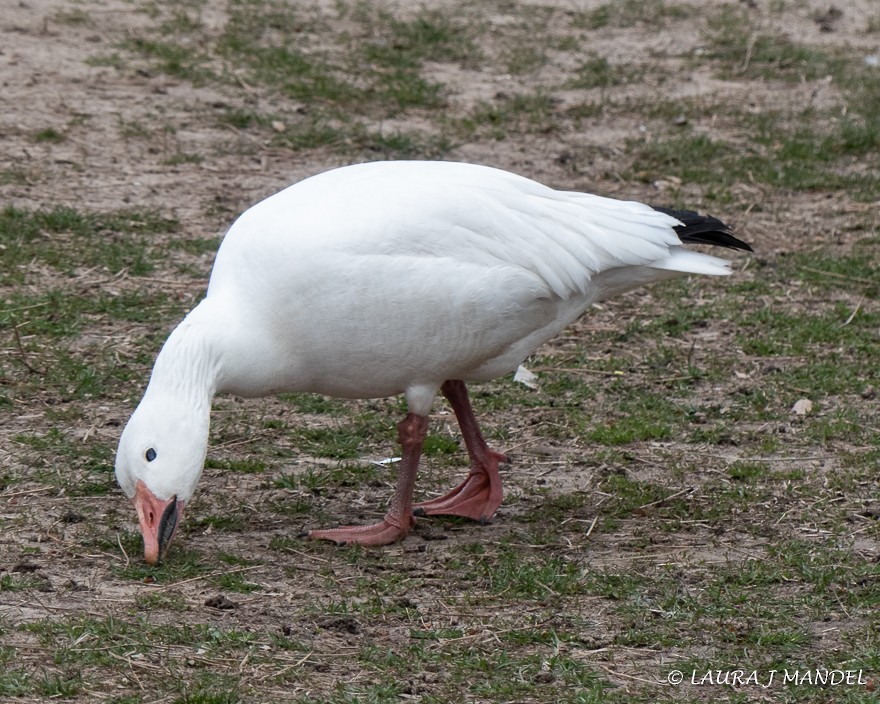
(703,229)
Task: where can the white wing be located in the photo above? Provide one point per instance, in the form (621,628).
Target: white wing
(433,270)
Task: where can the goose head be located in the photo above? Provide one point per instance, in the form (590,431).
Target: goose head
(159,460)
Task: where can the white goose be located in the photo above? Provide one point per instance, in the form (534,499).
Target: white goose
(386,278)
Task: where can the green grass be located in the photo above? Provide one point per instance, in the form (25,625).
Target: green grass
(741,49)
(806,150)
(629,13)
(433,35)
(48,134)
(184,158)
(242,466)
(664,506)
(506,114)
(114,241)
(19,582)
(176,60)
(525,58)
(801,160)
(378,75)
(598,72)
(181,564)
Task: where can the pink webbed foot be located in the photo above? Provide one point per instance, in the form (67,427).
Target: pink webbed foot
(477,497)
(399,520)
(387,531)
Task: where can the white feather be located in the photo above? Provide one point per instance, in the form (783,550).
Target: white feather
(388,278)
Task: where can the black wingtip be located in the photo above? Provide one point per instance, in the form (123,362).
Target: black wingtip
(703,229)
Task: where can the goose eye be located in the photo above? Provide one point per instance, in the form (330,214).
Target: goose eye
(150,455)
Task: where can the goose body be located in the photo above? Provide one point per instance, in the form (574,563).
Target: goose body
(391,278)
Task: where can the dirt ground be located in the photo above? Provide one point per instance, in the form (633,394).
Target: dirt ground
(125,135)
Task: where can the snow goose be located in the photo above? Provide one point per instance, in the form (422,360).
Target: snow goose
(390,278)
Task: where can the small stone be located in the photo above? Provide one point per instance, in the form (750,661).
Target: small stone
(802,407)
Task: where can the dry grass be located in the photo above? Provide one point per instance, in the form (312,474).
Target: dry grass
(666,508)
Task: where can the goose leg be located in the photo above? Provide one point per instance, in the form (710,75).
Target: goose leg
(479,495)
(399,519)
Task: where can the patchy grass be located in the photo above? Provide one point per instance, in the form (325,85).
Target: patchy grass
(629,13)
(598,72)
(114,241)
(742,48)
(800,160)
(666,508)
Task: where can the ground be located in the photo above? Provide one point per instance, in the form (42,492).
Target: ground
(694,483)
